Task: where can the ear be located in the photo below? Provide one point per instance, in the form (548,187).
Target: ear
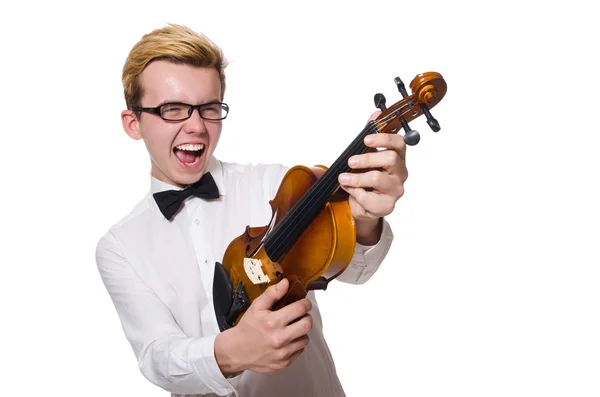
(131,125)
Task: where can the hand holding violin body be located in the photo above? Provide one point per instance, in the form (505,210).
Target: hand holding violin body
(265,340)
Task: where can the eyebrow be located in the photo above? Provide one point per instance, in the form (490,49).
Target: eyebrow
(212,100)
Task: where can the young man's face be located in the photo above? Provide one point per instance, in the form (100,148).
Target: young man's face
(179,150)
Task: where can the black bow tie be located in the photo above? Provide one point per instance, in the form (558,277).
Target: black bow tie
(170,201)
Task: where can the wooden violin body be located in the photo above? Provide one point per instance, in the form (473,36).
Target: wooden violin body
(311,237)
(324,249)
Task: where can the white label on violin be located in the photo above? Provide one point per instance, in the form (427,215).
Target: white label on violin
(254,270)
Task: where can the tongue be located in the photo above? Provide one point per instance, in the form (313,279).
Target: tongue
(185,156)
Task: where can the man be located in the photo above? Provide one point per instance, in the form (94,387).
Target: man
(158,263)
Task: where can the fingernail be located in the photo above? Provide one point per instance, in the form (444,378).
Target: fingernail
(344,178)
(352,161)
(369,139)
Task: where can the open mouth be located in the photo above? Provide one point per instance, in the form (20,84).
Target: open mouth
(189,154)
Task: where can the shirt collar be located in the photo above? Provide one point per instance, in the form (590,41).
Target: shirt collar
(214,167)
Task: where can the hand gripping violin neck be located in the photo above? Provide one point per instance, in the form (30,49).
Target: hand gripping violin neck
(311,236)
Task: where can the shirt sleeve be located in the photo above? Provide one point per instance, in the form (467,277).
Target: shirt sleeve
(166,356)
(367,259)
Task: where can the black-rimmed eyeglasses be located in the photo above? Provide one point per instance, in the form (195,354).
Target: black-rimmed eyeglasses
(177,111)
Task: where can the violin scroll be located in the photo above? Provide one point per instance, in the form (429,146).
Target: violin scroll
(427,90)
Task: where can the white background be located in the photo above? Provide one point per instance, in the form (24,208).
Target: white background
(492,287)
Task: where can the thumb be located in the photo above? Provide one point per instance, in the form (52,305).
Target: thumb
(271,295)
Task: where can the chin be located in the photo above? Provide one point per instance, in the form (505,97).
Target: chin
(184,180)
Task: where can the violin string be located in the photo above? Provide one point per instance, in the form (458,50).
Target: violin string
(392,115)
(279,236)
(309,207)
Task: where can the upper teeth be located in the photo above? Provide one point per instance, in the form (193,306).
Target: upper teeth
(191,146)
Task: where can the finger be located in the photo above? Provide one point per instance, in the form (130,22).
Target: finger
(374,115)
(289,358)
(296,346)
(292,312)
(274,293)
(298,329)
(387,141)
(295,355)
(283,361)
(386,159)
(377,180)
(374,203)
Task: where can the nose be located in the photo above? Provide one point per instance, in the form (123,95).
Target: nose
(195,124)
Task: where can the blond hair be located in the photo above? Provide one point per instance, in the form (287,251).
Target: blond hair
(175,43)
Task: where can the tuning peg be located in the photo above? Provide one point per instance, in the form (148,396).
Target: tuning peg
(432,122)
(401,87)
(411,137)
(380,101)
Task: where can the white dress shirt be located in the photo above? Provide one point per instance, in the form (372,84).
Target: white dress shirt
(159,275)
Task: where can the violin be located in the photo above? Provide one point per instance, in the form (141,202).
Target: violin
(311,237)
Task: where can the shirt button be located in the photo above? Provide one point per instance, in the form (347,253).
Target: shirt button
(197,221)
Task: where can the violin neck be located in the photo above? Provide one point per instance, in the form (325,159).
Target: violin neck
(290,228)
